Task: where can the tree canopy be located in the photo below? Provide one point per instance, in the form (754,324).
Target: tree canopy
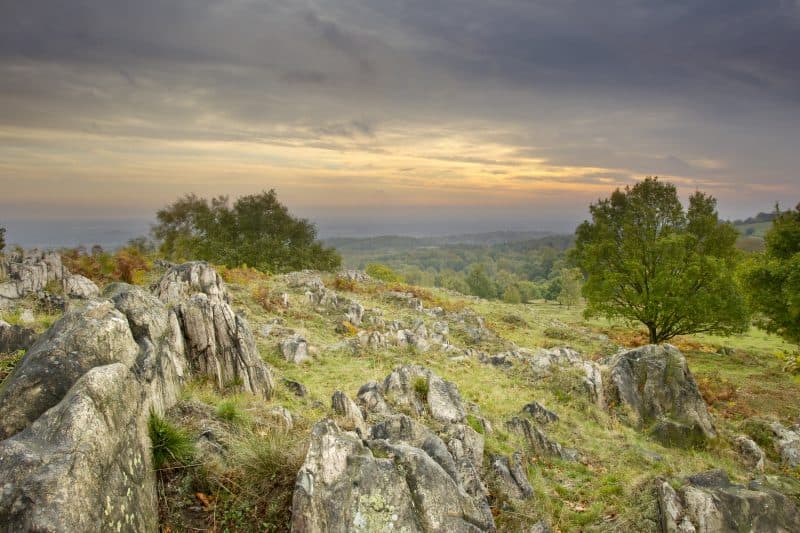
(257,230)
(773,278)
(649,260)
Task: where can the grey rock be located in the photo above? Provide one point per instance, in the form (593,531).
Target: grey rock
(539,442)
(420,391)
(787,444)
(354,275)
(539,413)
(656,384)
(280,417)
(751,452)
(297,388)
(28,273)
(345,485)
(352,418)
(355,313)
(510,476)
(77,286)
(709,502)
(13,338)
(543,362)
(295,349)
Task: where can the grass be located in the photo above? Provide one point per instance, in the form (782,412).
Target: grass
(610,490)
(8,362)
(171,444)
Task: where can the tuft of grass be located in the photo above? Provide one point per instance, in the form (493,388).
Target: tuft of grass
(230,411)
(420,386)
(8,362)
(475,424)
(170,443)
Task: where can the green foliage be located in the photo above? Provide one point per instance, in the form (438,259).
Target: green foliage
(257,230)
(648,260)
(2,239)
(570,290)
(128,264)
(421,388)
(230,411)
(511,295)
(170,443)
(383,273)
(773,278)
(479,283)
(8,362)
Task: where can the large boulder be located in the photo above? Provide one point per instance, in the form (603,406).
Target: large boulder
(510,477)
(347,485)
(710,503)
(85,464)
(655,384)
(27,273)
(787,444)
(405,475)
(219,343)
(95,335)
(77,286)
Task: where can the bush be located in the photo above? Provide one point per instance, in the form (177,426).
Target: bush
(170,443)
(382,273)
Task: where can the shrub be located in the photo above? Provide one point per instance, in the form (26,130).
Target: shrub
(421,388)
(382,273)
(229,411)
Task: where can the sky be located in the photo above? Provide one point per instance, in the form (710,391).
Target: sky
(405,115)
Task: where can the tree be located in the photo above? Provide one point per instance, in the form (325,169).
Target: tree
(648,260)
(382,273)
(773,278)
(570,291)
(512,295)
(479,283)
(257,231)
(2,239)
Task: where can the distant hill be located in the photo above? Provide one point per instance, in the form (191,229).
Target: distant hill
(401,242)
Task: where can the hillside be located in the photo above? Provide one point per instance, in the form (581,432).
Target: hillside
(523,411)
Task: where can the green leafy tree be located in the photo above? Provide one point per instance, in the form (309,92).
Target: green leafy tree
(257,230)
(773,278)
(511,295)
(382,273)
(479,283)
(648,260)
(551,290)
(570,292)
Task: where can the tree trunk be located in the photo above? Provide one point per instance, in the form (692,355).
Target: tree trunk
(653,334)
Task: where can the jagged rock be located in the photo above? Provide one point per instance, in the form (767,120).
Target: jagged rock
(370,399)
(710,503)
(511,477)
(51,302)
(656,384)
(539,442)
(539,413)
(296,387)
(344,486)
(355,313)
(281,417)
(77,286)
(307,279)
(751,452)
(82,339)
(219,342)
(418,390)
(84,465)
(405,298)
(295,349)
(352,418)
(28,273)
(544,361)
(787,445)
(354,275)
(13,338)
(322,297)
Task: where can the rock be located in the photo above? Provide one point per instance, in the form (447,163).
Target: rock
(27,317)
(219,342)
(295,349)
(306,279)
(297,388)
(540,527)
(355,313)
(370,399)
(709,502)
(404,298)
(49,483)
(322,297)
(352,419)
(539,413)
(544,361)
(539,442)
(656,384)
(13,338)
(81,340)
(752,454)
(510,476)
(281,417)
(28,273)
(420,391)
(354,275)
(345,485)
(77,286)
(787,445)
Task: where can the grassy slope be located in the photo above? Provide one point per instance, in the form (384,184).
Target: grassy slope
(612,490)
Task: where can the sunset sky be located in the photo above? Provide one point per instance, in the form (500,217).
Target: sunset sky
(513,112)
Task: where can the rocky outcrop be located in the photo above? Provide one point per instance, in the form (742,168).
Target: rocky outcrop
(539,442)
(751,452)
(352,418)
(510,477)
(404,475)
(787,444)
(13,338)
(655,383)
(710,503)
(74,440)
(28,273)
(539,413)
(543,362)
(219,342)
(295,349)
(77,286)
